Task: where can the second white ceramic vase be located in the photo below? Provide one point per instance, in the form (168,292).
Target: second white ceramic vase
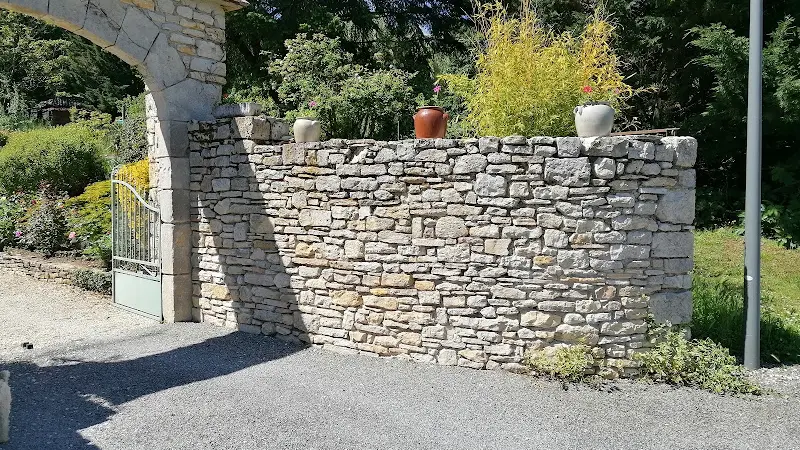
(307,130)
(594,120)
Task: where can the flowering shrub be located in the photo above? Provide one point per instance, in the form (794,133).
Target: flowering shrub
(46,229)
(12,208)
(528,79)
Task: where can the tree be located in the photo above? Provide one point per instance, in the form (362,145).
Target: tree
(400,34)
(352,100)
(40,62)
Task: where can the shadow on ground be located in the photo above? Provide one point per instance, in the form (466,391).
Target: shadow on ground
(51,404)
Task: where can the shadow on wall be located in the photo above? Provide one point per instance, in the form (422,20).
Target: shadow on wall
(237,256)
(52,404)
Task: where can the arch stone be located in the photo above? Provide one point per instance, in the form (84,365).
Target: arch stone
(179,48)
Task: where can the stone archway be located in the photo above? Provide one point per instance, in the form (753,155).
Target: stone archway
(179,48)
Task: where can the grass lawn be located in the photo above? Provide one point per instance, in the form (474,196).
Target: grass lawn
(718,296)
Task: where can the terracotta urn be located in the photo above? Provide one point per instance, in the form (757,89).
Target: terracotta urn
(430,122)
(307,129)
(594,120)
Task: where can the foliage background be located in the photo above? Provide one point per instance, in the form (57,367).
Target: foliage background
(691,55)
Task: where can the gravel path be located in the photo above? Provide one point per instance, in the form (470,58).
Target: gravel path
(100,378)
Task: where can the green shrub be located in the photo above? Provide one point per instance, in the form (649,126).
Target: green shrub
(67,158)
(46,228)
(89,217)
(129,136)
(568,363)
(101,250)
(12,208)
(93,280)
(350,100)
(698,363)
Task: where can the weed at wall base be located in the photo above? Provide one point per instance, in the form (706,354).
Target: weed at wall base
(567,363)
(697,363)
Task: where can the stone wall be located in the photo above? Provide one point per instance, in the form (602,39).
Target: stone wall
(461,252)
(39,268)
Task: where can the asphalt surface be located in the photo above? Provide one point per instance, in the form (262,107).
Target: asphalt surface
(118,381)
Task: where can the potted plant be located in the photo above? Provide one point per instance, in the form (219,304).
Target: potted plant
(431,121)
(306,126)
(595,116)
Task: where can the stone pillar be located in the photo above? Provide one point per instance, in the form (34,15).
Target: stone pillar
(169,164)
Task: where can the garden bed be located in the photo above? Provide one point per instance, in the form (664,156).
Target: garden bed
(85,274)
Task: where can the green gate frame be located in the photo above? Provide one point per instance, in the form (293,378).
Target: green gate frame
(136,250)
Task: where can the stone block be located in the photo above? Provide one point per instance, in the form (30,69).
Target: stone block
(238,110)
(490,185)
(164,64)
(252,128)
(555,238)
(176,247)
(499,247)
(678,244)
(67,14)
(315,218)
(538,319)
(451,227)
(474,163)
(347,299)
(35,8)
(139,29)
(609,146)
(572,334)
(573,259)
(684,148)
(572,172)
(676,206)
(551,192)
(627,252)
(397,280)
(604,168)
(103,21)
(569,147)
(458,253)
(672,307)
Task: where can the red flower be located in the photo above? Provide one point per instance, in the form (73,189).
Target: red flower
(587,89)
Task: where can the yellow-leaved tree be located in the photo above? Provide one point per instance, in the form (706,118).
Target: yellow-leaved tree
(529,79)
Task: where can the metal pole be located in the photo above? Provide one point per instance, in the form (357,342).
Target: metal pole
(752,223)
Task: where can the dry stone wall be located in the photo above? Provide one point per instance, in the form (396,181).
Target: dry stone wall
(461,252)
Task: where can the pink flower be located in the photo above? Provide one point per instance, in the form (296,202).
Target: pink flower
(72,235)
(437,89)
(587,89)
(312,104)
(18,234)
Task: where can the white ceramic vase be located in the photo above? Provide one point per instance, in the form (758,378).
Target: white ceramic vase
(594,120)
(307,130)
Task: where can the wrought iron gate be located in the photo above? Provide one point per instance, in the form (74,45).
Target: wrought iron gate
(136,241)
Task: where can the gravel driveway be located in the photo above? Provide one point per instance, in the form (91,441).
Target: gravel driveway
(102,378)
